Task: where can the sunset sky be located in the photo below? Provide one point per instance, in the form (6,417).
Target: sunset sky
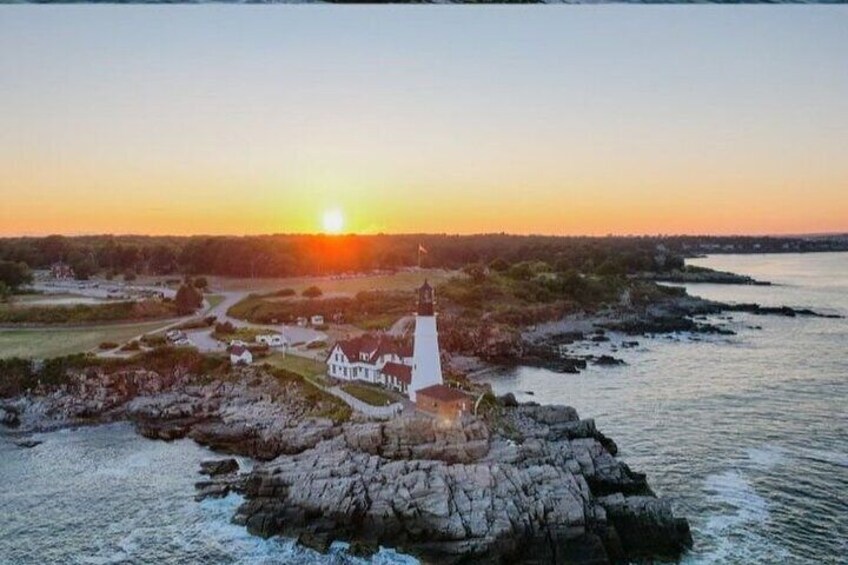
(275,119)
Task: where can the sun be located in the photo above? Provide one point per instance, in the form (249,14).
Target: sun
(333,221)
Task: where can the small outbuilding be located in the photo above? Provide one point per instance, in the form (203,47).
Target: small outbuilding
(443,401)
(271,340)
(240,355)
(317,320)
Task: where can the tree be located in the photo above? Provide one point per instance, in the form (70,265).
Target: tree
(499,265)
(129,275)
(312,292)
(188,299)
(83,265)
(201,283)
(476,272)
(163,260)
(521,271)
(5,292)
(610,267)
(14,274)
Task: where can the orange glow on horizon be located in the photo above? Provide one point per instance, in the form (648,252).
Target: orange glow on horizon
(679,123)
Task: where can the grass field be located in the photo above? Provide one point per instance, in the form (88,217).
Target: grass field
(214,299)
(247,335)
(51,342)
(302,366)
(368,394)
(404,280)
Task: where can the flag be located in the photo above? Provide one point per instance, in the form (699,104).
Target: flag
(422,249)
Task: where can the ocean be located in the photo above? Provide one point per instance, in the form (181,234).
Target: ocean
(746,434)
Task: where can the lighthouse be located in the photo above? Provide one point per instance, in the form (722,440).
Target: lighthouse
(426,363)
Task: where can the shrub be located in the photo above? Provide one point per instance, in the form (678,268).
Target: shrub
(107,345)
(133,345)
(312,292)
(225,328)
(14,274)
(17,376)
(283,292)
(197,323)
(153,340)
(85,313)
(499,265)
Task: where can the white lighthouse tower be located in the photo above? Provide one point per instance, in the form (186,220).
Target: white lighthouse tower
(426,363)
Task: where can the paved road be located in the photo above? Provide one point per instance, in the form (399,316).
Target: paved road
(204,341)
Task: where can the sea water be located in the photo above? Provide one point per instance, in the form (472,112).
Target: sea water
(104,494)
(746,434)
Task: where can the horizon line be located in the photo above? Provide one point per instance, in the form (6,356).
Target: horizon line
(430,234)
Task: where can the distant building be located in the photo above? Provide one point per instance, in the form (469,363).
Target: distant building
(240,355)
(61,271)
(271,340)
(443,401)
(363,358)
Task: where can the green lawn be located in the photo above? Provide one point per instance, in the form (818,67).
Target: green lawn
(214,299)
(308,368)
(52,342)
(247,335)
(369,394)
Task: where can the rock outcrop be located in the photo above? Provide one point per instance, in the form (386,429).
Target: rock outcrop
(9,417)
(216,467)
(462,493)
(524,482)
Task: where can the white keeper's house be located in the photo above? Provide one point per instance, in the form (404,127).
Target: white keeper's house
(364,358)
(384,361)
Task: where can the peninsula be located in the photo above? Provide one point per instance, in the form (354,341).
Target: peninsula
(515,480)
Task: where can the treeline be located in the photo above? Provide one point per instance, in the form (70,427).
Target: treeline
(294,255)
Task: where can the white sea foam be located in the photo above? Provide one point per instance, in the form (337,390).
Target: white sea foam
(732,490)
(727,534)
(767,456)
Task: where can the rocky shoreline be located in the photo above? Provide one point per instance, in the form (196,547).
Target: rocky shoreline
(519,482)
(546,345)
(695,275)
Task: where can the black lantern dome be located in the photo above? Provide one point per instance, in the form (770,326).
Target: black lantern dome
(425,299)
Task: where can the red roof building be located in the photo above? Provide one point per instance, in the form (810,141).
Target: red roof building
(240,355)
(364,357)
(443,401)
(397,376)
